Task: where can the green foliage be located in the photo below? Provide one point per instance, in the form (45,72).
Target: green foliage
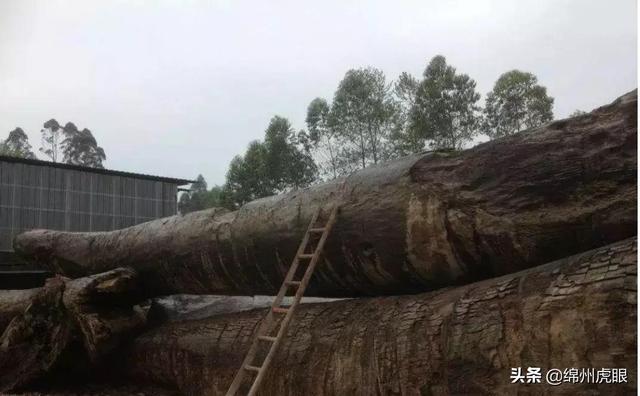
(370,120)
(17,145)
(51,139)
(362,116)
(280,163)
(254,168)
(247,177)
(323,139)
(81,148)
(199,198)
(4,150)
(577,113)
(445,108)
(288,164)
(355,130)
(516,102)
(405,140)
(77,147)
(331,152)
(237,188)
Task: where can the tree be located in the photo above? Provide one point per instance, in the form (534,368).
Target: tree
(198,194)
(516,102)
(577,113)
(404,140)
(246,178)
(287,165)
(324,140)
(51,139)
(199,198)
(4,150)
(77,147)
(234,190)
(254,166)
(445,109)
(362,115)
(81,148)
(280,163)
(302,170)
(17,145)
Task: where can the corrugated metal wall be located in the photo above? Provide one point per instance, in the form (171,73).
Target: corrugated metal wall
(33,196)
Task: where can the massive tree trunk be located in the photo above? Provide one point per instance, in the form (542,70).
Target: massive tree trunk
(66,326)
(578,312)
(415,224)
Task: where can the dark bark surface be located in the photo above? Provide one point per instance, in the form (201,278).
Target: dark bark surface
(65,327)
(416,224)
(14,303)
(575,312)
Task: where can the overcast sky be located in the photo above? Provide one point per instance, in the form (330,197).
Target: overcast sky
(177,90)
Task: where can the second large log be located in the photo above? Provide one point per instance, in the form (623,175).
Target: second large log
(578,312)
(416,224)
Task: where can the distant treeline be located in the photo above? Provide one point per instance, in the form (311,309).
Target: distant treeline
(371,120)
(66,144)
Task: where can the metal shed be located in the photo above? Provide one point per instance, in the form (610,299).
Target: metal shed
(42,194)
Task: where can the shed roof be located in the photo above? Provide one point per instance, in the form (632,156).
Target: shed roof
(179,182)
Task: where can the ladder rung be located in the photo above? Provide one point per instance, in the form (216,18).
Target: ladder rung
(252,368)
(293,283)
(267,338)
(320,229)
(280,310)
(306,255)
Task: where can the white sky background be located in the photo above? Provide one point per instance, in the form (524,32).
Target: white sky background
(179,88)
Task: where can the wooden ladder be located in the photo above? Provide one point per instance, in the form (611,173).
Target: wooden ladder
(270,324)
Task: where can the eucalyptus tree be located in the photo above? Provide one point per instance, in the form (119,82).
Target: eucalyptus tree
(362,115)
(80,147)
(17,145)
(279,163)
(445,112)
(52,136)
(516,102)
(404,139)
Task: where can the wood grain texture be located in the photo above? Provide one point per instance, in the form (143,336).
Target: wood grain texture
(575,312)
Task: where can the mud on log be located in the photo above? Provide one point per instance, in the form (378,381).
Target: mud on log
(575,312)
(65,327)
(416,224)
